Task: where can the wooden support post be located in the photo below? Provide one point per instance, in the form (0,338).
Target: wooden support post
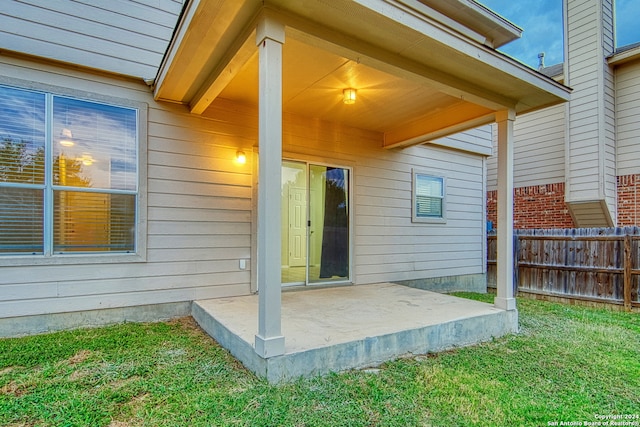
(269,341)
(505,298)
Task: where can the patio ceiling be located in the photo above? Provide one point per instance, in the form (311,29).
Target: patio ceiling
(419,74)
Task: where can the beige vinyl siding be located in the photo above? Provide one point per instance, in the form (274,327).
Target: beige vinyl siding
(628,125)
(492,161)
(584,174)
(198,214)
(200,207)
(608,35)
(122,36)
(538,149)
(591,156)
(478,140)
(609,131)
(387,245)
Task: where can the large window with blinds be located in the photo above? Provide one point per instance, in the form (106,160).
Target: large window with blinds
(68,175)
(428,198)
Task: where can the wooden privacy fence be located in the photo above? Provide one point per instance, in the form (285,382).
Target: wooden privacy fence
(591,264)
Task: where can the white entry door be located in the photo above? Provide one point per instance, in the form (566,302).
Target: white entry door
(297,227)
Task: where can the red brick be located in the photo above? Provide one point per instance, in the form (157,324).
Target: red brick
(539,206)
(543,206)
(628,203)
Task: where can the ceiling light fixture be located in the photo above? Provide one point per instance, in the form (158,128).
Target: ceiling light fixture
(66,138)
(349,96)
(87,159)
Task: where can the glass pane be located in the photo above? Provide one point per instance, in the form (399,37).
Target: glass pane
(93,222)
(21,220)
(294,222)
(429,193)
(22,135)
(329,232)
(429,185)
(429,207)
(94,145)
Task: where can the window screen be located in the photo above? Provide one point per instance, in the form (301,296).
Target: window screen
(428,197)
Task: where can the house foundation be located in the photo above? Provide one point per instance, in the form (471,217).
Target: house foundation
(341,328)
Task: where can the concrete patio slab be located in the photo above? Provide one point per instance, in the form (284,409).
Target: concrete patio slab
(334,329)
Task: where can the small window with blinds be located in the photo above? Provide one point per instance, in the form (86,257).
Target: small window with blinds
(428,198)
(68,175)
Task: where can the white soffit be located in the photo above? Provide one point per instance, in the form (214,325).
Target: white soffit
(394,54)
(497,30)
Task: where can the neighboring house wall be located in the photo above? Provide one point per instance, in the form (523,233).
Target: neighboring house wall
(602,141)
(535,206)
(539,162)
(627,80)
(200,206)
(628,200)
(590,170)
(538,149)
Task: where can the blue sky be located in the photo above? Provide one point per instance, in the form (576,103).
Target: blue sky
(541,21)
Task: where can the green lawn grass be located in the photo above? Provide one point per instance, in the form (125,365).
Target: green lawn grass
(568,364)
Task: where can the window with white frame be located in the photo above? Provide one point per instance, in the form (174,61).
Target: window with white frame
(68,175)
(428,198)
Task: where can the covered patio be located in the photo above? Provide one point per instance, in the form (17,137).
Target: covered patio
(422,71)
(338,328)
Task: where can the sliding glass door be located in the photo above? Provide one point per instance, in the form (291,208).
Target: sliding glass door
(315,224)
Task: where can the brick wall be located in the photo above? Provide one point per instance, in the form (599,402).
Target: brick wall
(492,205)
(539,206)
(542,206)
(628,192)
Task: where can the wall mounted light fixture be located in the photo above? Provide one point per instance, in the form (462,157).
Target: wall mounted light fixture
(241,158)
(349,95)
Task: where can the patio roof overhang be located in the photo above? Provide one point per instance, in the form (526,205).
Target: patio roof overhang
(423,69)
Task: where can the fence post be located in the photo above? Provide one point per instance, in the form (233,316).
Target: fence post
(627,272)
(516,256)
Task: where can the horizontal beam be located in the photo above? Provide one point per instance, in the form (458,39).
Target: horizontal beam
(208,36)
(451,120)
(224,72)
